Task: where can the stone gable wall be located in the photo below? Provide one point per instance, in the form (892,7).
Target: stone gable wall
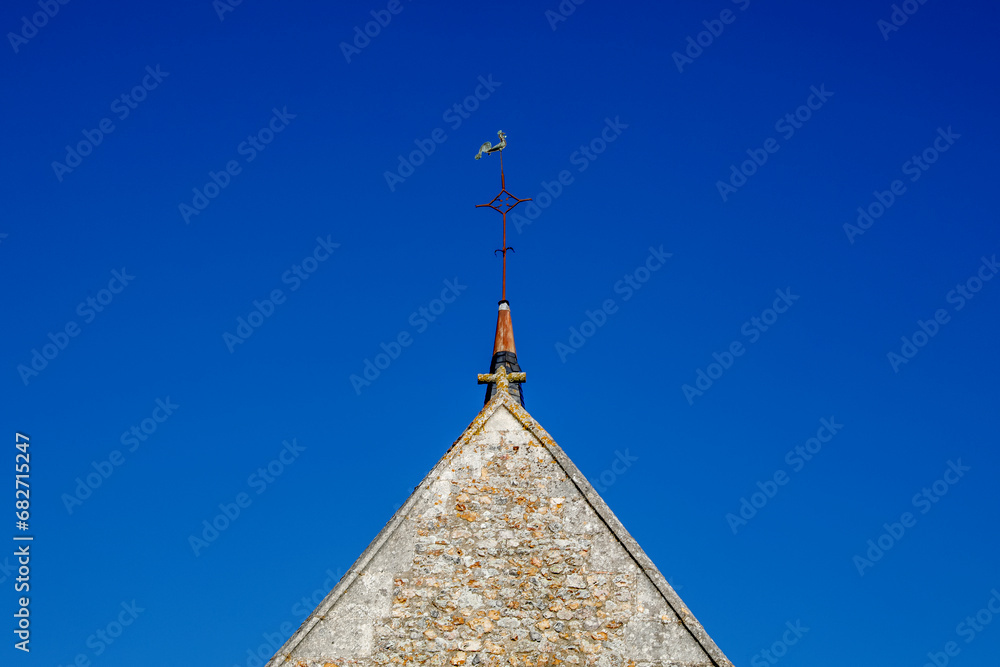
(500,561)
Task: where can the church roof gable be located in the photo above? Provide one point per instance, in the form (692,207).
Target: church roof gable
(503,552)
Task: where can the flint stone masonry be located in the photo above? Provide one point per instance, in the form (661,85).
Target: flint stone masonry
(503,555)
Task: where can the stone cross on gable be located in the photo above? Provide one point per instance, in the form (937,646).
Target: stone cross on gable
(501,378)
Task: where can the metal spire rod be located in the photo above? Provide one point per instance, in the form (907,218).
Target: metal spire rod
(503,203)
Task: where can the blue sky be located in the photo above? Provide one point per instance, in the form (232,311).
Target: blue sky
(216,214)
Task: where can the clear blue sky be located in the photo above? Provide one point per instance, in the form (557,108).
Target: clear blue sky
(250,154)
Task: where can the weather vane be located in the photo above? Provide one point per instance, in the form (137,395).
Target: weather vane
(502,203)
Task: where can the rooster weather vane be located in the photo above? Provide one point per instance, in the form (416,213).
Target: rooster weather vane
(502,203)
(488,148)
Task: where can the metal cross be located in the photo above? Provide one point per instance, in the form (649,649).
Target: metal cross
(501,378)
(503,203)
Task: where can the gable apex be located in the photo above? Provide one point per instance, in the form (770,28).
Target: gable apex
(504,554)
